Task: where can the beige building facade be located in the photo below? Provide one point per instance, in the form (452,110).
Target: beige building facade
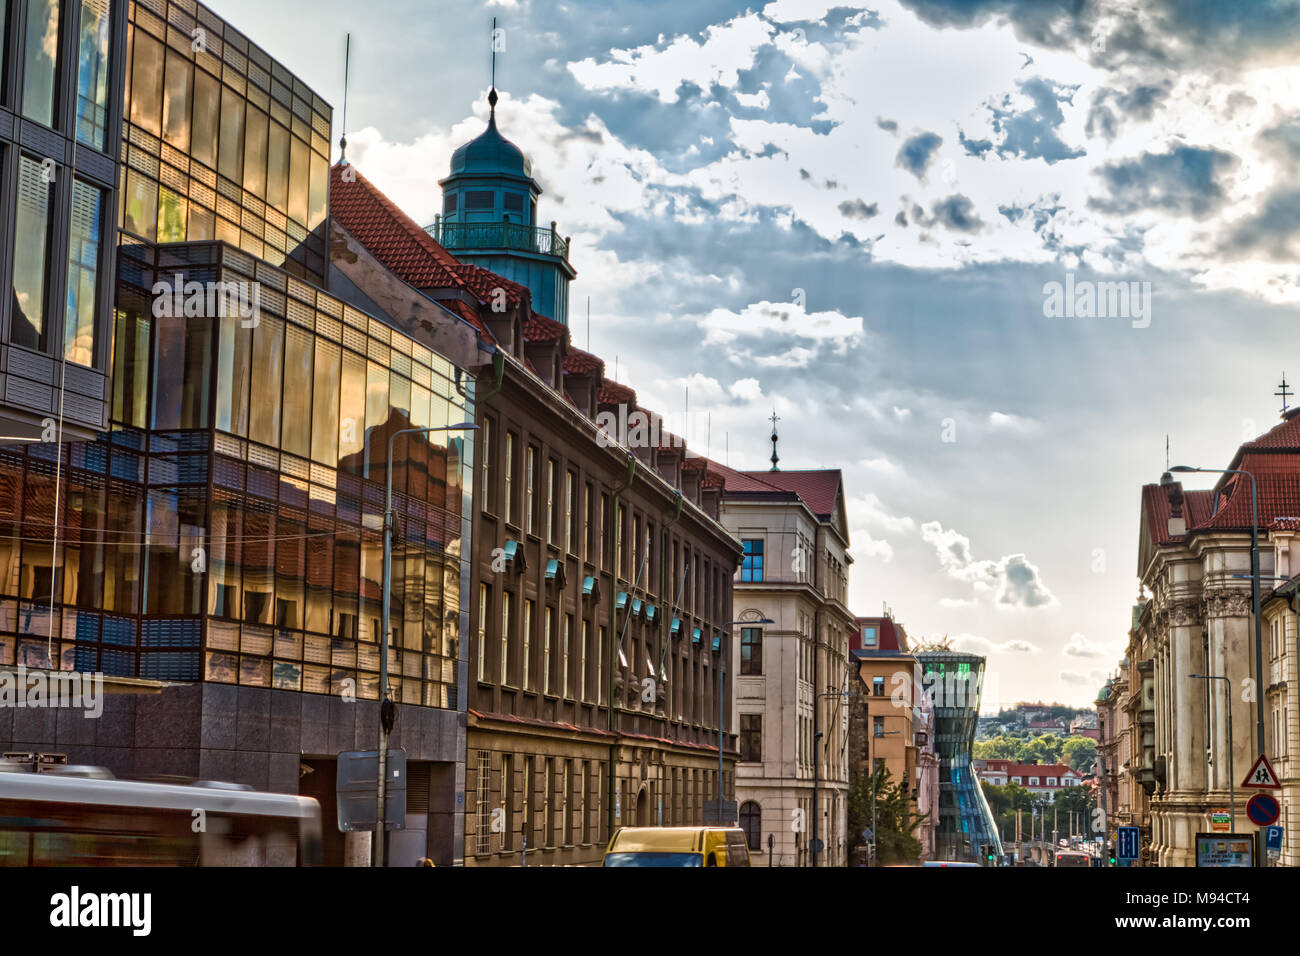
(792,676)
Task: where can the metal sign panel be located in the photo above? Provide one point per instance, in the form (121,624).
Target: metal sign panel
(1261,776)
(357,789)
(1225,849)
(1263,810)
(1273,838)
(1128,843)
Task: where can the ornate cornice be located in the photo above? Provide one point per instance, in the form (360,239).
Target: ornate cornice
(1227,602)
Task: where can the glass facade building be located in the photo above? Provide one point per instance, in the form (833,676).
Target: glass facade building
(221,142)
(61,105)
(955,682)
(228,527)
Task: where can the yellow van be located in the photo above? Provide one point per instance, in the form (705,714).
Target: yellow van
(677,846)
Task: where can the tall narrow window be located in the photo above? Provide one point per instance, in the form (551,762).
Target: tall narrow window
(552,531)
(482,631)
(546,651)
(570,513)
(487,464)
(564,656)
(84,249)
(92,73)
(604,529)
(178,92)
(530,481)
(505,637)
(586,522)
(230,148)
(527,679)
(33,226)
(584,654)
(600,663)
(509,478)
(751,651)
(41,61)
(751,567)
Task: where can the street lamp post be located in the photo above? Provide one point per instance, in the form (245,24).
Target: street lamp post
(386,712)
(722,658)
(1232,779)
(871,759)
(1254,591)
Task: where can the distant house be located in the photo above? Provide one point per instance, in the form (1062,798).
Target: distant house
(1040,727)
(1039,778)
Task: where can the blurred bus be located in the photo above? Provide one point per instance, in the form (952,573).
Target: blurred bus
(84,817)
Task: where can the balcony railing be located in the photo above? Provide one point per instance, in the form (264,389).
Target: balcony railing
(500,235)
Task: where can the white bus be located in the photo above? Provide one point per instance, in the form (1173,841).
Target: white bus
(84,817)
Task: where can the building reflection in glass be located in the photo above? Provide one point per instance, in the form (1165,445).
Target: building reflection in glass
(228,528)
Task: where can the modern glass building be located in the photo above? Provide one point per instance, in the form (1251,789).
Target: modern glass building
(966,826)
(60,121)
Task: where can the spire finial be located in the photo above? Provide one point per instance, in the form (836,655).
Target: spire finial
(347,64)
(1283,393)
(776,459)
(492,94)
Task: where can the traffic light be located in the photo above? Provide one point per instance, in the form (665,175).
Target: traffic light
(1111,854)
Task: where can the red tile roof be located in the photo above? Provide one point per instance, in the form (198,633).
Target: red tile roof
(614,393)
(541,329)
(888,637)
(819,490)
(579,362)
(484,283)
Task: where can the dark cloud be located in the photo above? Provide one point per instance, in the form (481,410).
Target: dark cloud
(1283,141)
(1138,103)
(917,152)
(1273,230)
(974,147)
(857,209)
(957,213)
(1184,181)
(1021,585)
(1031,133)
(888,125)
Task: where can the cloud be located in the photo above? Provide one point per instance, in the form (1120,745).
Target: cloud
(867,511)
(1137,103)
(1031,132)
(917,152)
(779,320)
(1090,679)
(956,213)
(1184,181)
(1012,580)
(1080,646)
(982,645)
(1000,421)
(857,209)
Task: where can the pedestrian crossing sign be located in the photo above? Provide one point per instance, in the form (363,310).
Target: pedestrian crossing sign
(1261,776)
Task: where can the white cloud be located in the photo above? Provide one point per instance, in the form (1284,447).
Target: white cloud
(1080,646)
(1012,579)
(1090,679)
(763,319)
(982,645)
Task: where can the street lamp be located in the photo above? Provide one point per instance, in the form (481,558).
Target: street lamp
(817,750)
(871,750)
(1254,589)
(387,711)
(1232,780)
(722,666)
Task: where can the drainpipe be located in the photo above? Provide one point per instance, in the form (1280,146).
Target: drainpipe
(498,375)
(619,488)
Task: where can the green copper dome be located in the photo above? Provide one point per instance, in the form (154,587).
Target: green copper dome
(491,154)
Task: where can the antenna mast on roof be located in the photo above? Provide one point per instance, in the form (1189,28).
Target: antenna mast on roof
(347,64)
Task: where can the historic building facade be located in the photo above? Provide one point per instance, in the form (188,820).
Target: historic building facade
(1282,650)
(601,579)
(1195,562)
(792,678)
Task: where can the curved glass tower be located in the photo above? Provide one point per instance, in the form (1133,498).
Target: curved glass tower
(966,830)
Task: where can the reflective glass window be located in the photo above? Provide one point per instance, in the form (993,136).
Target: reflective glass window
(298,355)
(140,206)
(207,113)
(277,176)
(255,153)
(299,180)
(173,211)
(32,230)
(225,555)
(320,181)
(146,83)
(325,404)
(177,96)
(182,363)
(352,413)
(176,526)
(230,152)
(268,365)
(40,64)
(93,72)
(84,250)
(376,418)
(233,373)
(130,369)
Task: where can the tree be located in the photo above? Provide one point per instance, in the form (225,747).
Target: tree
(895,820)
(1080,753)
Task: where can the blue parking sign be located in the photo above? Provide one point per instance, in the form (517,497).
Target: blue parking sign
(1273,838)
(1128,843)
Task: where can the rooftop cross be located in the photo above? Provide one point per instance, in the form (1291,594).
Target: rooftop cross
(1283,393)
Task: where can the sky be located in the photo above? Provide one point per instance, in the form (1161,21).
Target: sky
(867,219)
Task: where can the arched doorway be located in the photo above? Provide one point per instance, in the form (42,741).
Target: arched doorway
(751,821)
(643,808)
